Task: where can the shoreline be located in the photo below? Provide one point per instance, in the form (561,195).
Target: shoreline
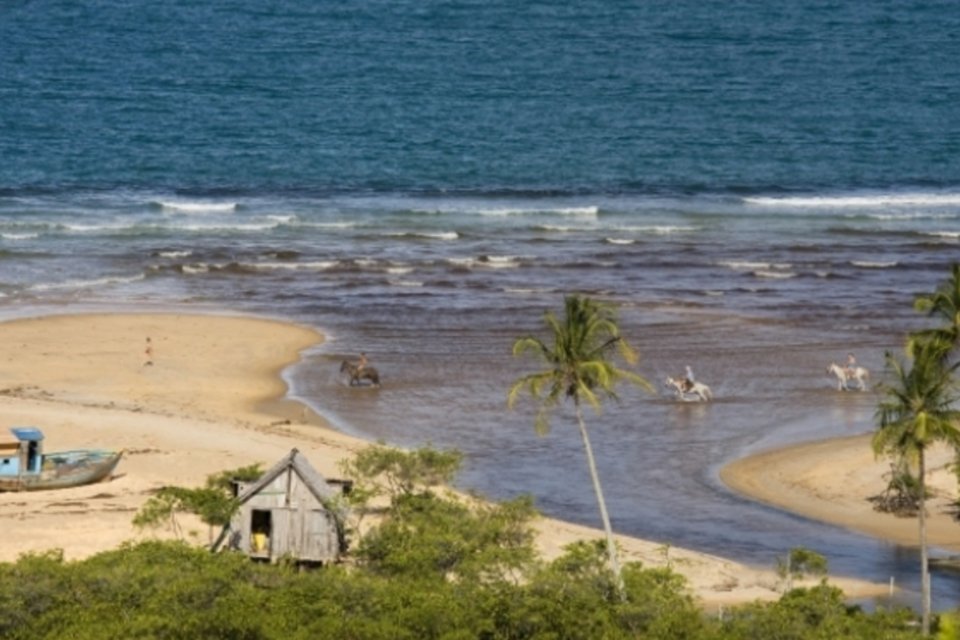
(214,398)
(833,480)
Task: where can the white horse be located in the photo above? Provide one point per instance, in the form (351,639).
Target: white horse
(845,377)
(698,391)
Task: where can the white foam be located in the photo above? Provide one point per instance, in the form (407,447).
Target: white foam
(869,264)
(489,262)
(864,201)
(498,262)
(406,283)
(556,228)
(524,291)
(659,229)
(590,212)
(95,228)
(86,284)
(399,271)
(905,216)
(19,236)
(950,235)
(245,228)
(191,269)
(320,265)
(748,266)
(619,241)
(428,235)
(775,275)
(187,206)
(441,235)
(327,225)
(175,254)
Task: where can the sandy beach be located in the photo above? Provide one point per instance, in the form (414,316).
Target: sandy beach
(208,396)
(833,481)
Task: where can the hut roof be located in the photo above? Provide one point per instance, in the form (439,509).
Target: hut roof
(297,462)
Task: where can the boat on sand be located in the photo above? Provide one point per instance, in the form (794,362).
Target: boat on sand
(24,466)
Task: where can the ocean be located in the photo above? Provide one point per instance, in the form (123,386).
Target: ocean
(758,189)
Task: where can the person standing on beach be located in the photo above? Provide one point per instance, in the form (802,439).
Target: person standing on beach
(148,352)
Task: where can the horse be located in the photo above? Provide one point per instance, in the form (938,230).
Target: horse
(698,390)
(859,375)
(358,375)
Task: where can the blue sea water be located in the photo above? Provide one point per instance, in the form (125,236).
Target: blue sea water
(759,188)
(440,96)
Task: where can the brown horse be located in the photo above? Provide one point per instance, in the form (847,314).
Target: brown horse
(358,375)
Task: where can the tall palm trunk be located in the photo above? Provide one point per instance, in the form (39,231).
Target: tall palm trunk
(611,545)
(924,569)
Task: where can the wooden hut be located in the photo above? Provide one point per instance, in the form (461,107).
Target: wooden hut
(290,513)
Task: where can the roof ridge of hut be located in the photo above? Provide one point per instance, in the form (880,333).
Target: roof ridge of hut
(312,478)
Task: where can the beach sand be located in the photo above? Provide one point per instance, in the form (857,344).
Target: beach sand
(212,398)
(833,481)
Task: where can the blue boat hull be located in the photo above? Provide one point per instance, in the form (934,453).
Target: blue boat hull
(65,469)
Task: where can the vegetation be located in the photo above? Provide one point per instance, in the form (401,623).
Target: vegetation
(919,405)
(213,503)
(429,536)
(901,496)
(380,470)
(171,590)
(579,368)
(944,304)
(818,612)
(800,562)
(434,567)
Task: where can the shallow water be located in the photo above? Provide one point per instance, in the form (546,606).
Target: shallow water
(659,459)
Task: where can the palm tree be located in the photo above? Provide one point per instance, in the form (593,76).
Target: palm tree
(943,303)
(579,368)
(916,412)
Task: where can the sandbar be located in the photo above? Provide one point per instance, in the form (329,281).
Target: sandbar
(834,480)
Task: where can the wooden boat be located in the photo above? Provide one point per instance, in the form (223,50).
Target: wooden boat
(24,466)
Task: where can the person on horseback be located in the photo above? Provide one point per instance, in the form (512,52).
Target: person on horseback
(362,362)
(851,368)
(688,380)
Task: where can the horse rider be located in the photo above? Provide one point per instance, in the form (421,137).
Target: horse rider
(688,380)
(851,368)
(362,362)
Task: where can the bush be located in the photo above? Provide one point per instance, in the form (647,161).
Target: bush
(435,568)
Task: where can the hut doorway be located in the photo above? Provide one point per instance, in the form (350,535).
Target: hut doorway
(261,527)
